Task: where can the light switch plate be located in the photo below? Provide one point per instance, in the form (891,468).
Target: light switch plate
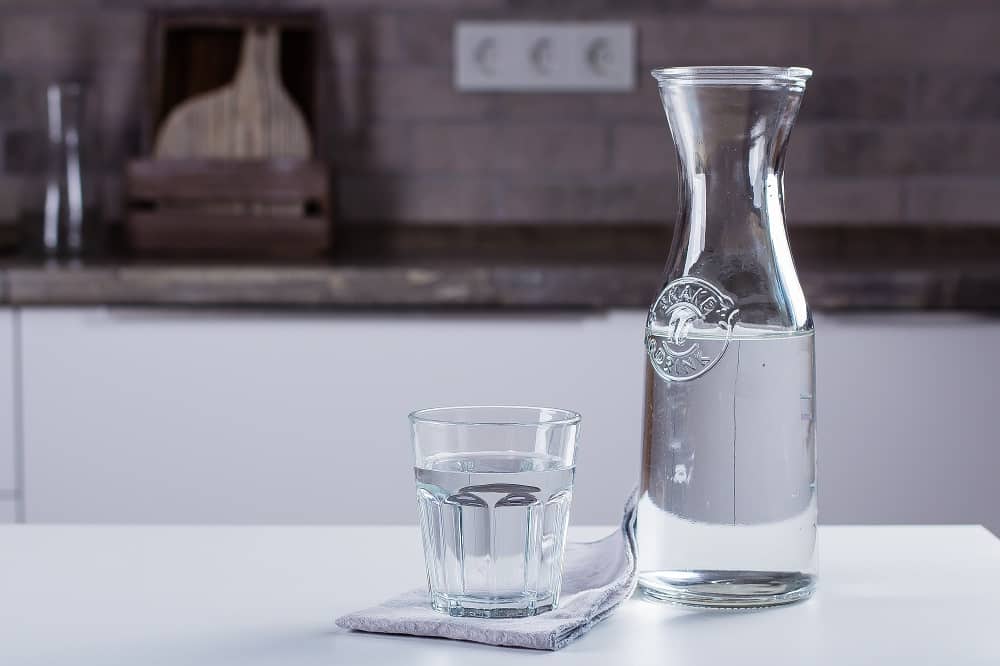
(543,56)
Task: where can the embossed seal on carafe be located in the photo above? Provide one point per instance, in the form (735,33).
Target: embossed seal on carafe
(688,328)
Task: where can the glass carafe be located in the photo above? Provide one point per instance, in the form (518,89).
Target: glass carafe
(727,511)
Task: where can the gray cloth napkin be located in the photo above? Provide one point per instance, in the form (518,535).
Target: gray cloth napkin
(597,577)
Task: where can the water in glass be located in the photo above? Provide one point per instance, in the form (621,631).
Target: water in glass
(494,529)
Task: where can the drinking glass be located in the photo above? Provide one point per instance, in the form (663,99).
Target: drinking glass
(494,486)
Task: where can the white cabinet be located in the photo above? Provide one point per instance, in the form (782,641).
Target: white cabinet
(8,420)
(164,416)
(161,416)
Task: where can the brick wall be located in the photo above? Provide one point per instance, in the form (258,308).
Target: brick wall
(901,122)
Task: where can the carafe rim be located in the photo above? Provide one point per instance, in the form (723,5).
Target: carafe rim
(733,75)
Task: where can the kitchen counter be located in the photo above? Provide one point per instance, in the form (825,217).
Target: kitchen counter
(255,595)
(554,266)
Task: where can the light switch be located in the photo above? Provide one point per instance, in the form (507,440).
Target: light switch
(544,56)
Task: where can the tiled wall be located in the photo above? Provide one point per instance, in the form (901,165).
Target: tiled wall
(900,124)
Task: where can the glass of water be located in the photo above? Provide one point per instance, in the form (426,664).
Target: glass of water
(494,486)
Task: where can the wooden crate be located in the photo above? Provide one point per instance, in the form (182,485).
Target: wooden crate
(259,207)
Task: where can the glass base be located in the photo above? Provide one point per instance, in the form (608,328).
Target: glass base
(727,589)
(499,607)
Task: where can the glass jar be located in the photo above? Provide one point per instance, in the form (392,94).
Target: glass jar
(69,206)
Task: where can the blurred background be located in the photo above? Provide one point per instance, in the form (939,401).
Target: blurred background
(205,326)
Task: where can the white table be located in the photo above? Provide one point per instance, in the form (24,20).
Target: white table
(179,596)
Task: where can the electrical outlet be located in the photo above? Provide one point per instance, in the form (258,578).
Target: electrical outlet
(542,56)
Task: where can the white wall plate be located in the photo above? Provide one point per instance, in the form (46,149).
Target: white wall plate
(560,56)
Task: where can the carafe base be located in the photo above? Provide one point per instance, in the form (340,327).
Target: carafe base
(727,589)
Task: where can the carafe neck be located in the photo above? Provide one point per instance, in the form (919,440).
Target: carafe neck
(730,127)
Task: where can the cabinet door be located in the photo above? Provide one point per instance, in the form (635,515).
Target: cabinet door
(906,418)
(163,416)
(8,510)
(8,424)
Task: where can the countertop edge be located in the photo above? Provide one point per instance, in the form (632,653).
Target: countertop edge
(488,286)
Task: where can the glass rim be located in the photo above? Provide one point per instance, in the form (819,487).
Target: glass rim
(563,417)
(749,75)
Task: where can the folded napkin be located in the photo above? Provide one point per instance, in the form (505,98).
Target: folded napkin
(597,577)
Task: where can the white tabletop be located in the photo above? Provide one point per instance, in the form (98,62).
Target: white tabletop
(268,595)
